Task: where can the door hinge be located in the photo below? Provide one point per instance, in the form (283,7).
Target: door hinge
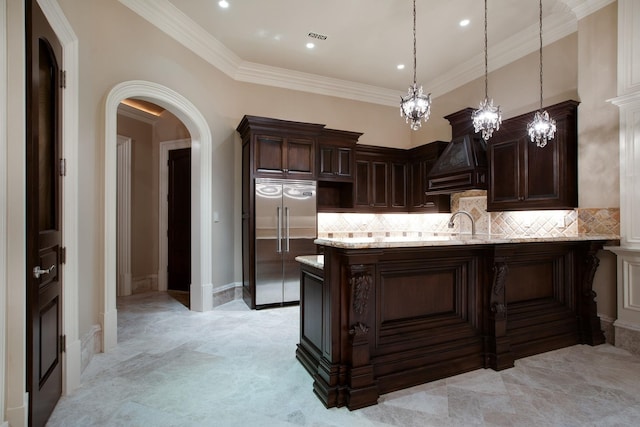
(63,167)
(63,255)
(63,343)
(63,79)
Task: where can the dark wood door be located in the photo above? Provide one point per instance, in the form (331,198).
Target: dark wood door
(43,217)
(179,220)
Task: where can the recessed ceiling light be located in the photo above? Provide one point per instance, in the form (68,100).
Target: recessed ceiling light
(400,66)
(310,45)
(223,4)
(464,22)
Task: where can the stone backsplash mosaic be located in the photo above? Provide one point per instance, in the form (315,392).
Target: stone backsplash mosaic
(555,223)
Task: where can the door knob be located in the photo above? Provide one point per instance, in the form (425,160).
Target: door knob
(37,271)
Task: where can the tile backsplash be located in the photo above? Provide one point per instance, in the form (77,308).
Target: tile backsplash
(555,223)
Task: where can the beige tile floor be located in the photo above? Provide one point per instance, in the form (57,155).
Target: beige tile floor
(236,367)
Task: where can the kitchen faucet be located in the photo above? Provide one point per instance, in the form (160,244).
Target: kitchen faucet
(473,223)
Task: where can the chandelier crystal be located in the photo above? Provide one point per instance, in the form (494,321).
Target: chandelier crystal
(543,128)
(416,106)
(488,117)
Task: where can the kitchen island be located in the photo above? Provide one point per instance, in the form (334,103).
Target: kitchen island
(378,315)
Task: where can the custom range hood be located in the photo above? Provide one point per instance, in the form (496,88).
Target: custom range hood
(463,163)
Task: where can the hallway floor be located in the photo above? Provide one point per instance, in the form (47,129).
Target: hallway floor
(237,367)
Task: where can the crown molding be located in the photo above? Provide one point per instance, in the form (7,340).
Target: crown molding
(582,8)
(135,114)
(169,19)
(252,72)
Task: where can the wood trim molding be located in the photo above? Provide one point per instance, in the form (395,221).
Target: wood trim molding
(123,239)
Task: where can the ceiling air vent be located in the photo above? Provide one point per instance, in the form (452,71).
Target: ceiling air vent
(317,36)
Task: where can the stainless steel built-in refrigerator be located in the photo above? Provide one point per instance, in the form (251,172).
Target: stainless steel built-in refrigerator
(285,215)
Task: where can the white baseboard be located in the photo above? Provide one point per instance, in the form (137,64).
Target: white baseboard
(627,325)
(109,330)
(226,293)
(73,366)
(91,345)
(144,283)
(19,416)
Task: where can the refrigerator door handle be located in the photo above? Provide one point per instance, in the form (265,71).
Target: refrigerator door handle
(286,215)
(279,229)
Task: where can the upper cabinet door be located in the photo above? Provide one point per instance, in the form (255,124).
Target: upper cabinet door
(335,163)
(269,155)
(504,172)
(300,157)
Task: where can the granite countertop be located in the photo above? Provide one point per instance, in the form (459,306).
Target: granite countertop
(450,240)
(316,261)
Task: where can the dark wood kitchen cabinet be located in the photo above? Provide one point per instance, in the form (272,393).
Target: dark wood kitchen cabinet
(380,183)
(280,148)
(523,176)
(335,165)
(336,155)
(380,319)
(421,160)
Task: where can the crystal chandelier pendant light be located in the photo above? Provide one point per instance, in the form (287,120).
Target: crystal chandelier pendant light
(415,107)
(488,117)
(543,128)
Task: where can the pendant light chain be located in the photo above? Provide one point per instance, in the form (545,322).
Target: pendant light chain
(414,42)
(486,55)
(540,32)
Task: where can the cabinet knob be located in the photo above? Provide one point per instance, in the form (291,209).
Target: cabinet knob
(521,198)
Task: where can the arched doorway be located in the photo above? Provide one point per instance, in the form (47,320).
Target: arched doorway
(201,286)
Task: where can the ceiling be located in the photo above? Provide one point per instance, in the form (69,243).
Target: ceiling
(264,42)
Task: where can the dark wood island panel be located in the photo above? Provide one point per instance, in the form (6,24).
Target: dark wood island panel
(382,319)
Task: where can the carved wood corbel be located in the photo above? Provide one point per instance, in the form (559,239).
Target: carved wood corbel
(362,389)
(590,330)
(498,354)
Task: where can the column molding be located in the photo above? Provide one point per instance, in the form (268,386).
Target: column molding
(123,227)
(627,325)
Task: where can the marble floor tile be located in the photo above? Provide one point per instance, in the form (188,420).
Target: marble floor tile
(236,367)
